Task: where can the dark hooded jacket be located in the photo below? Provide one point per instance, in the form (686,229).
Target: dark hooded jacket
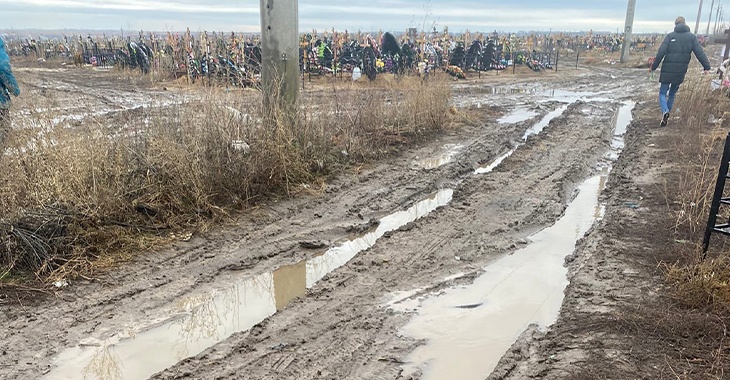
(8,84)
(676,52)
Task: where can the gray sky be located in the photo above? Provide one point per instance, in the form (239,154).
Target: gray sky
(395,15)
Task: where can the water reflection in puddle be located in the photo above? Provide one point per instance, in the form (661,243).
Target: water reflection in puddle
(202,321)
(542,124)
(443,159)
(533,130)
(318,267)
(517,116)
(504,90)
(566,97)
(497,90)
(623,120)
(498,161)
(520,289)
(469,328)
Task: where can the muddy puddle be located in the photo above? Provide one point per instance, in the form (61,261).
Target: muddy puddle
(497,161)
(567,98)
(199,322)
(498,90)
(518,115)
(469,328)
(506,90)
(545,121)
(533,130)
(450,151)
(623,119)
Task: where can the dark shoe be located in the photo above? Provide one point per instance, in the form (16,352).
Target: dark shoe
(665,119)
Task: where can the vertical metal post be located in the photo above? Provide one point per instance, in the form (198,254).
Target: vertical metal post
(717,198)
(280,54)
(628,29)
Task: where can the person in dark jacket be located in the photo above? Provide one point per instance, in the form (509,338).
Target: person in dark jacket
(676,52)
(8,85)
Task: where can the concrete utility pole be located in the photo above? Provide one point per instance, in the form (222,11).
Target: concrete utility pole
(715,29)
(709,19)
(699,15)
(626,46)
(280,54)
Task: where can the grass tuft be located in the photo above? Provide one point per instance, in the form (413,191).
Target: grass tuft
(112,186)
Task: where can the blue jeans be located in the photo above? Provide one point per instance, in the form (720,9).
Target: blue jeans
(666,102)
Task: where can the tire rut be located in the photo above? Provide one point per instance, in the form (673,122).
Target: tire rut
(339,327)
(489,217)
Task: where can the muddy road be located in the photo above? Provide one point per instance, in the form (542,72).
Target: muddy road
(429,265)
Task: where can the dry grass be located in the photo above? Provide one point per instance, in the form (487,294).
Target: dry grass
(112,187)
(697,152)
(703,284)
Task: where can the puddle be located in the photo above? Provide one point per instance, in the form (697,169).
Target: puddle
(202,321)
(498,161)
(623,120)
(542,124)
(318,267)
(497,90)
(443,159)
(599,99)
(469,328)
(533,130)
(566,97)
(514,292)
(517,116)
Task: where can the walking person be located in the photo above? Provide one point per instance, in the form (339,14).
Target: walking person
(8,85)
(676,52)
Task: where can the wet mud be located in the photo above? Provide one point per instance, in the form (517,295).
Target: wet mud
(308,288)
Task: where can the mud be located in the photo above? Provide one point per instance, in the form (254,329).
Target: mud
(468,329)
(618,319)
(318,312)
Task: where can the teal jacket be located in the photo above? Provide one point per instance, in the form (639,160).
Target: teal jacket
(8,84)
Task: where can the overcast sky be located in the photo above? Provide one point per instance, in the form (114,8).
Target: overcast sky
(366,15)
